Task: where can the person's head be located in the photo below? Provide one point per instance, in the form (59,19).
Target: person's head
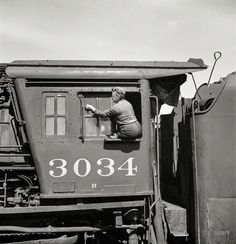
(118,94)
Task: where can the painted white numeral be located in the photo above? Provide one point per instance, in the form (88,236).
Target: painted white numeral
(61,167)
(109,166)
(82,167)
(87,167)
(128,165)
(94,185)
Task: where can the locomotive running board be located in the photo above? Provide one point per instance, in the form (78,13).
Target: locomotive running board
(69,208)
(72,229)
(60,240)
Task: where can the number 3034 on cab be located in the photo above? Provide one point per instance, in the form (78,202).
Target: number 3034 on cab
(82,167)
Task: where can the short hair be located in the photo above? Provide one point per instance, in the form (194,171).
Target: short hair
(120,91)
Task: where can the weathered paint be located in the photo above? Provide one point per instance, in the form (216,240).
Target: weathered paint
(70,149)
(100,69)
(176,219)
(214,160)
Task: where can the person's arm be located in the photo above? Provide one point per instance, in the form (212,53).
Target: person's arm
(106,113)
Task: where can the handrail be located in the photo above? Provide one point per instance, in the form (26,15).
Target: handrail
(15,131)
(52,229)
(159,221)
(197,230)
(49,229)
(217,56)
(12,96)
(80,96)
(157,149)
(17,114)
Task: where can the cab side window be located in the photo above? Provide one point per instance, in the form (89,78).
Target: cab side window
(93,125)
(54,114)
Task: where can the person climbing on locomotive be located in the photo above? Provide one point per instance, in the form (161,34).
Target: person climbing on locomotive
(123,113)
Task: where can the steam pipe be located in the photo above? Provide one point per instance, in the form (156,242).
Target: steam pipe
(49,229)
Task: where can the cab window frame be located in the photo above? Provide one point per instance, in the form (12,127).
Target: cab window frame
(97,96)
(129,93)
(56,112)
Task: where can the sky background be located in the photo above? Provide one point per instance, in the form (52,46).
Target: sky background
(140,30)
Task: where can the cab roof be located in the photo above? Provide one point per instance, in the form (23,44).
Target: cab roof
(72,69)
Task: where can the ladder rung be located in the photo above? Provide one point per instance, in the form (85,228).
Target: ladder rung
(14,155)
(16,168)
(4,123)
(10,146)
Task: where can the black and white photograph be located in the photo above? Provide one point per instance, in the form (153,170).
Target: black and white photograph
(118,121)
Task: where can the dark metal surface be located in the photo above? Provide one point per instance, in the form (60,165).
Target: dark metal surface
(214,160)
(70,208)
(70,148)
(204,182)
(99,69)
(62,194)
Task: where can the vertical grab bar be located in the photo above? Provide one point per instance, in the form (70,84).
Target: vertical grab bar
(159,220)
(196,185)
(17,114)
(81,99)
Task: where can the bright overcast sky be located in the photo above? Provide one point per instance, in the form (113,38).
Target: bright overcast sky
(121,30)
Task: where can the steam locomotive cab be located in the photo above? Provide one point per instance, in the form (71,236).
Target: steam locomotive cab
(73,154)
(59,168)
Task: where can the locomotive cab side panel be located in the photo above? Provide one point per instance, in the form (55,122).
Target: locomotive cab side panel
(71,153)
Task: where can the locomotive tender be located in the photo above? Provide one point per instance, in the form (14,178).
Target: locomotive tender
(200,175)
(61,174)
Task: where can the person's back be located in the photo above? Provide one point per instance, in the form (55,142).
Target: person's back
(125,112)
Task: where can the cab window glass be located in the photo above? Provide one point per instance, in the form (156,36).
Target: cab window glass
(54,114)
(95,126)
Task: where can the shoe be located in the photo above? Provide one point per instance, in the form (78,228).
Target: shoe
(113,136)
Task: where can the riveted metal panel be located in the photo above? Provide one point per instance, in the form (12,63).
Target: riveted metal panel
(94,165)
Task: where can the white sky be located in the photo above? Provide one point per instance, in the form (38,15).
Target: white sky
(121,30)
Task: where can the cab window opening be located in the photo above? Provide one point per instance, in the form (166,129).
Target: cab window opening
(135,99)
(105,117)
